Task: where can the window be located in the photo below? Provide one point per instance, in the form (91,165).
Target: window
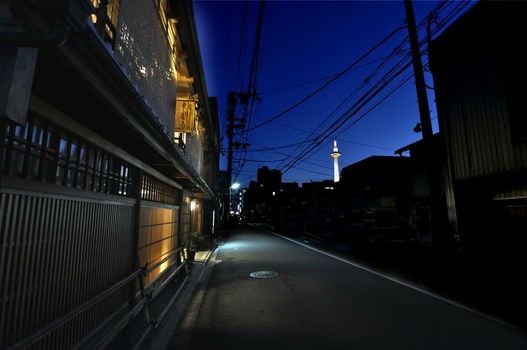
(105,18)
(169,25)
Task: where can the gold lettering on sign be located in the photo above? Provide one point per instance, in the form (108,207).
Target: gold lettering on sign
(185,115)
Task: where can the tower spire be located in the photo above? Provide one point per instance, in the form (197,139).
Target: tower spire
(335,155)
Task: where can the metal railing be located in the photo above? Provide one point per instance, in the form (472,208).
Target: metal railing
(141,303)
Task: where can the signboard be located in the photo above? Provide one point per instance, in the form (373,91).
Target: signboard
(185,115)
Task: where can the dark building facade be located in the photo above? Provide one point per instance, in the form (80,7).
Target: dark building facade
(270,179)
(262,198)
(479,66)
(375,198)
(420,196)
(108,161)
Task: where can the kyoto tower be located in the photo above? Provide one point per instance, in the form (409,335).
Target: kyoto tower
(335,155)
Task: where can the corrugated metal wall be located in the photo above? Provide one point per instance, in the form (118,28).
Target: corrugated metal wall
(450,199)
(476,122)
(56,254)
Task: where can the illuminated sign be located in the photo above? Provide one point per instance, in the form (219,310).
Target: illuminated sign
(185,115)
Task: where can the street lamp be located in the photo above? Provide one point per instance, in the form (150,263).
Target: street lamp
(235,186)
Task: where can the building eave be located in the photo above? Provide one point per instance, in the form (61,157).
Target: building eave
(188,36)
(127,101)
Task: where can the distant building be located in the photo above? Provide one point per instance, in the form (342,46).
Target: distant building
(269,179)
(379,174)
(319,203)
(262,198)
(375,197)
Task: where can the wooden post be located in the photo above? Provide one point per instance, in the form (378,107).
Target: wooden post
(17,67)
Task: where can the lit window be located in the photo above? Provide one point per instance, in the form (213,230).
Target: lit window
(106,21)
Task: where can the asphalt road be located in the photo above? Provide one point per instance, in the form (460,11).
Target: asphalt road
(321,302)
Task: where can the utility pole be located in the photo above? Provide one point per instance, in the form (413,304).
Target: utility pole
(432,162)
(230,132)
(230,136)
(231,126)
(422,97)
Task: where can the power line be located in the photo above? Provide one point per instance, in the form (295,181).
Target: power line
(337,76)
(313,135)
(242,43)
(277,147)
(248,98)
(310,82)
(362,102)
(366,145)
(317,142)
(310,171)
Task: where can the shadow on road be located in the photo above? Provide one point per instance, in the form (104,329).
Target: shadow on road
(488,285)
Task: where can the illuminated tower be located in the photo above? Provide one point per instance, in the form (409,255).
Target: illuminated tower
(335,155)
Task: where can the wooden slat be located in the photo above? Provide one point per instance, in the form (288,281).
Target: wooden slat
(59,249)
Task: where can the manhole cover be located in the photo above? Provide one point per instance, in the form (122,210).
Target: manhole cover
(263,274)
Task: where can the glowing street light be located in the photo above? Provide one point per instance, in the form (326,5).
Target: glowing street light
(235,186)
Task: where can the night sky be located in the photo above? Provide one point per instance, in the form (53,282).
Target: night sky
(304,44)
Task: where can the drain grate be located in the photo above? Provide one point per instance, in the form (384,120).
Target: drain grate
(263,274)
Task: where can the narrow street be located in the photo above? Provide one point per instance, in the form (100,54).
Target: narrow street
(320,301)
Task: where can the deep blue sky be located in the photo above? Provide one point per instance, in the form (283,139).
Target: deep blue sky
(305,41)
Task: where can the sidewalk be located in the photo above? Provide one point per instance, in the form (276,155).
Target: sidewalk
(168,306)
(195,286)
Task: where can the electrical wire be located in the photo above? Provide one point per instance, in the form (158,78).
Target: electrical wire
(243,33)
(326,84)
(310,82)
(340,126)
(317,143)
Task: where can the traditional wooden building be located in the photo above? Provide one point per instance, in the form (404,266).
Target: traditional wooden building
(479,70)
(108,162)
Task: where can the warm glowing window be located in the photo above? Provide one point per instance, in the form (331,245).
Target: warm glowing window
(105,18)
(196,216)
(158,238)
(169,25)
(95,4)
(163,12)
(173,43)
(112,11)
